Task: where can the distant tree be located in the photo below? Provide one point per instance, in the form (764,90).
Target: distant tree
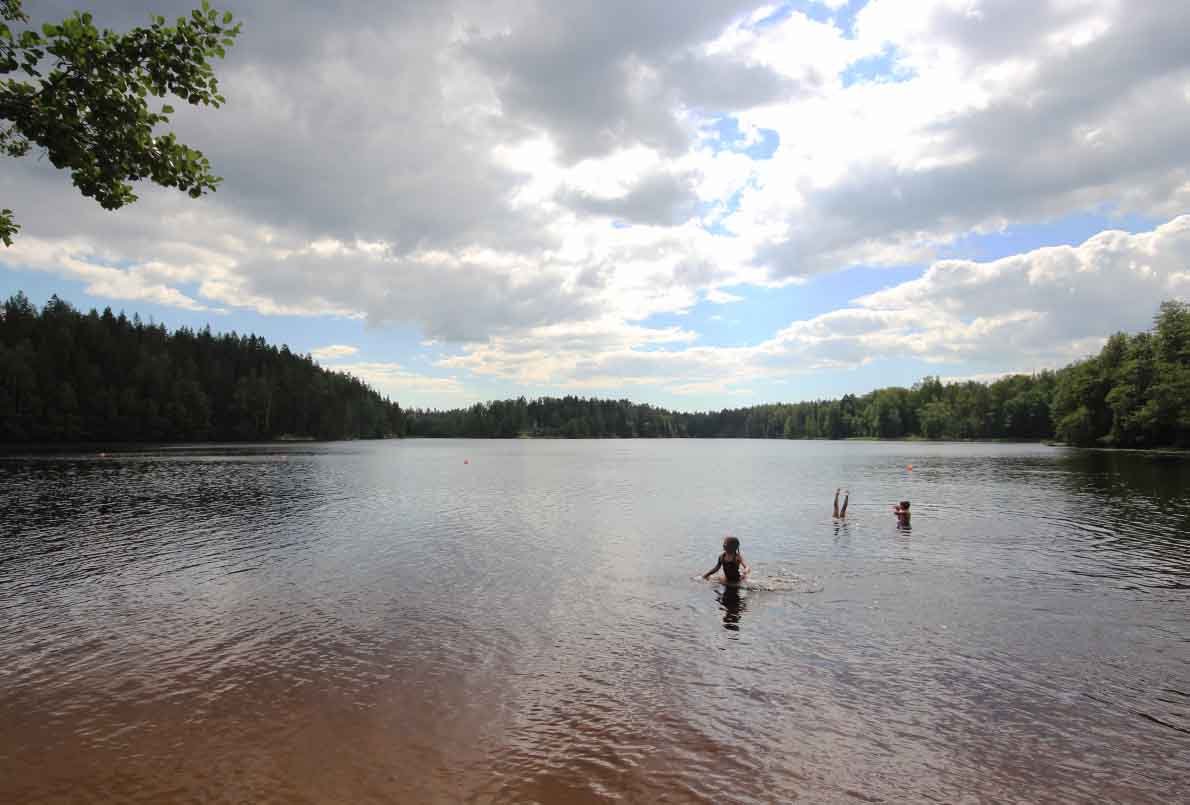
(936,419)
(1166,411)
(83,98)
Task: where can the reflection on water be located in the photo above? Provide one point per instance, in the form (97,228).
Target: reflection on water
(733,606)
(384,622)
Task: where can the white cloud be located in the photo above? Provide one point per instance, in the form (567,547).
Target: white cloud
(992,124)
(1042,308)
(1114,279)
(719,297)
(400,384)
(334,352)
(527,186)
(570,355)
(80,260)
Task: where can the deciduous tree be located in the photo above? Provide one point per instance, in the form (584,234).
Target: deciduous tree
(83,96)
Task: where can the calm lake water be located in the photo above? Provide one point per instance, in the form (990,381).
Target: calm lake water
(515,621)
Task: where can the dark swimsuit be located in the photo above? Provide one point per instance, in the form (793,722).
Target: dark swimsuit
(731,570)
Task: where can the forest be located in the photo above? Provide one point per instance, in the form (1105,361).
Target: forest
(1134,393)
(1016,407)
(69,376)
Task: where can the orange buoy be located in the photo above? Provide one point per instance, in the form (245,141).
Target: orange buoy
(910,468)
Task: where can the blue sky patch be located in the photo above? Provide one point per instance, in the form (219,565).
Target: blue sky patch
(730,138)
(1070,230)
(843,18)
(301,333)
(883,68)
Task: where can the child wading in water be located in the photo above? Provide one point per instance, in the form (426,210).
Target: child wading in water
(731,561)
(901,510)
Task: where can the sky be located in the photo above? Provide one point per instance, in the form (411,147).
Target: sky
(704,204)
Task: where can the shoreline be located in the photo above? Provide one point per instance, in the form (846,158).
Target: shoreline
(16,448)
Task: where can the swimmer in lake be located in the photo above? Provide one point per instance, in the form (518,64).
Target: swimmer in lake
(731,561)
(841,514)
(901,510)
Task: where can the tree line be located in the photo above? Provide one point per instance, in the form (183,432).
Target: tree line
(70,376)
(1134,393)
(1015,407)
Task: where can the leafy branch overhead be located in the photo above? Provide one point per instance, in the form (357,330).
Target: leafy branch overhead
(83,95)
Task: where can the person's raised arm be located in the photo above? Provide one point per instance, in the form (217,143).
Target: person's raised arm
(718,565)
(836,514)
(846,499)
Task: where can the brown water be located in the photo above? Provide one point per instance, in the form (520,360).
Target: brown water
(386,623)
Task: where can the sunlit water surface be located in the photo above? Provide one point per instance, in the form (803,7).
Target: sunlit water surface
(512,621)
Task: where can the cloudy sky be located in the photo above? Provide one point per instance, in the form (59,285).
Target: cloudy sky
(699,204)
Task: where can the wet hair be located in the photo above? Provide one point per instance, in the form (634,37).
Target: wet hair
(904,504)
(731,545)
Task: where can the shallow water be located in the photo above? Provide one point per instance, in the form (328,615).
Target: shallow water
(384,622)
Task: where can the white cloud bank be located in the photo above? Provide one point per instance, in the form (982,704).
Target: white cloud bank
(1035,310)
(398,383)
(334,352)
(532,183)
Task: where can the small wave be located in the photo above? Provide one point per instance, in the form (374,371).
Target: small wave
(785,583)
(780,582)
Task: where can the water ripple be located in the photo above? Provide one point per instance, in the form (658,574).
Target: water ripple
(377,622)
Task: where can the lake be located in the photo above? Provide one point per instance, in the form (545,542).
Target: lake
(523,621)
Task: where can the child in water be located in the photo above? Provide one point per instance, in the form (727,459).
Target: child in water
(735,569)
(901,510)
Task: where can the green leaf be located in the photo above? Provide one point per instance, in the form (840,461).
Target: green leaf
(92,116)
(227,17)
(8,227)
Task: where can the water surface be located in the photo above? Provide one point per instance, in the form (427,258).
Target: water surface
(513,621)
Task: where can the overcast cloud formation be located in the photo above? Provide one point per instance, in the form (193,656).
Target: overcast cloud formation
(542,187)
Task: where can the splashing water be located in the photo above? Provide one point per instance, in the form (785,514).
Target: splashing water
(782,582)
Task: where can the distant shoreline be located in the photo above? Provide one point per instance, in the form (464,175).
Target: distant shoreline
(10,448)
(16,448)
